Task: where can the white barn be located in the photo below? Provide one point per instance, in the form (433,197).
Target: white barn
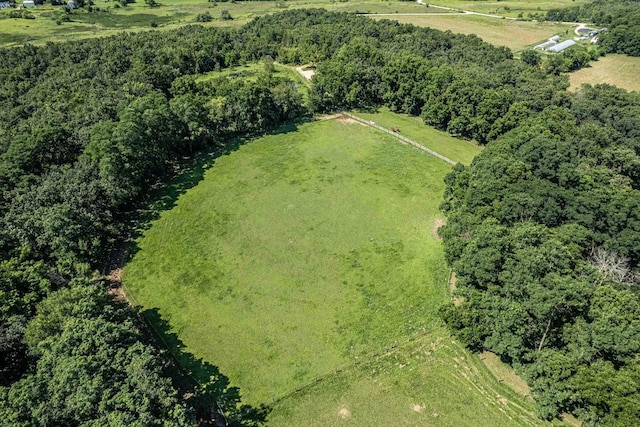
(28,3)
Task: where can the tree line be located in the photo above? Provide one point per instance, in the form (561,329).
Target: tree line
(542,227)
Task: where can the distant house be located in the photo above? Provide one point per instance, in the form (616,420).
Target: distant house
(561,46)
(28,3)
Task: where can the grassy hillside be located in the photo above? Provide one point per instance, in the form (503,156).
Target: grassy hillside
(311,255)
(617,70)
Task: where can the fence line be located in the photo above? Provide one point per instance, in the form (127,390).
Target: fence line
(401,137)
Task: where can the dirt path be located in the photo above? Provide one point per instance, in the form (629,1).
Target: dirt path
(402,138)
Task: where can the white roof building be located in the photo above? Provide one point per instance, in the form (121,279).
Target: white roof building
(28,3)
(561,46)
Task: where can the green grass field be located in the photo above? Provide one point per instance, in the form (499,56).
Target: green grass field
(617,70)
(510,8)
(516,35)
(169,15)
(305,252)
(414,129)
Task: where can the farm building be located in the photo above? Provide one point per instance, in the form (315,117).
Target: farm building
(561,46)
(28,3)
(545,45)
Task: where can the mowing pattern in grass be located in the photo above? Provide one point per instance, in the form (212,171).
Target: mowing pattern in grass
(297,254)
(617,70)
(413,128)
(516,35)
(431,381)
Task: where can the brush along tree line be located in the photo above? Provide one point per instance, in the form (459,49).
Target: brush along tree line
(543,227)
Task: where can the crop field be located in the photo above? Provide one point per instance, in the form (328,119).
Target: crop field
(516,35)
(305,266)
(617,70)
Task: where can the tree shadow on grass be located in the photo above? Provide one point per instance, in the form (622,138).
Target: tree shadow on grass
(209,390)
(210,393)
(164,196)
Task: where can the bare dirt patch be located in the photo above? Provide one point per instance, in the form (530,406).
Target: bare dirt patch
(504,401)
(439,222)
(115,288)
(348,121)
(344,413)
(328,117)
(418,408)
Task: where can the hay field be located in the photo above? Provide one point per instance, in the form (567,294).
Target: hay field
(516,35)
(618,70)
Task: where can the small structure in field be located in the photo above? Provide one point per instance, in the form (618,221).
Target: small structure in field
(28,3)
(561,46)
(4,4)
(71,4)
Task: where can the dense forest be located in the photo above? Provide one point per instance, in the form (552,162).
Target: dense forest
(620,17)
(543,227)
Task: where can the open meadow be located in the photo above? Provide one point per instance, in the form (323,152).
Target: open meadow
(108,17)
(516,35)
(613,69)
(306,266)
(511,8)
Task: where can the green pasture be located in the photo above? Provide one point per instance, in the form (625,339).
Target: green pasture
(511,8)
(108,18)
(305,266)
(430,381)
(170,14)
(415,129)
(297,254)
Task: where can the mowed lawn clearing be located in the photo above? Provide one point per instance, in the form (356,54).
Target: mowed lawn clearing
(297,254)
(516,35)
(613,69)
